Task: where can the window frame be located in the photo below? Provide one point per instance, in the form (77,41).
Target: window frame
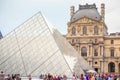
(112,41)
(96,30)
(112,52)
(73,31)
(84,30)
(84,51)
(95,52)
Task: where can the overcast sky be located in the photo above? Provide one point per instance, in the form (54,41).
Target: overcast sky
(15,12)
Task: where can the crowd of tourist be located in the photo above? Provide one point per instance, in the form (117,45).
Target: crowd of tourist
(9,77)
(87,76)
(53,77)
(97,76)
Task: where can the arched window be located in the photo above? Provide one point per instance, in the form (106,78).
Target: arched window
(73,31)
(84,30)
(111,67)
(83,51)
(112,53)
(95,52)
(96,30)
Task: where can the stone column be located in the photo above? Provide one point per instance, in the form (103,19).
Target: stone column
(91,63)
(102,58)
(78,47)
(89,50)
(91,55)
(102,66)
(105,66)
(117,65)
(101,48)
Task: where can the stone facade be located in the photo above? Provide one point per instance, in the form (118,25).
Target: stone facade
(87,33)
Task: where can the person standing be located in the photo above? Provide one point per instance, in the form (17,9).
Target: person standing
(2,76)
(30,78)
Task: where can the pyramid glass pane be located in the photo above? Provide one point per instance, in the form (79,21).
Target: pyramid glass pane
(35,48)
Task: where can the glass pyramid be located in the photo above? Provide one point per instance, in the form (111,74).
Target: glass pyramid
(36,47)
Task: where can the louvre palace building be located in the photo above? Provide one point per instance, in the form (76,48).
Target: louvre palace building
(88,33)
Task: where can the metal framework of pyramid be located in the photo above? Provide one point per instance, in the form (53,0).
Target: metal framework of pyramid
(35,48)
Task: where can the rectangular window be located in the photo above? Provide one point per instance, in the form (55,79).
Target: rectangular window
(112,41)
(95,52)
(112,53)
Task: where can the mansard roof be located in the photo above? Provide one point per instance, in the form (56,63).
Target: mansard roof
(87,11)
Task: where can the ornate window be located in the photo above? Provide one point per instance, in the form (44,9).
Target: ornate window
(112,53)
(83,51)
(95,52)
(96,30)
(73,31)
(112,41)
(84,30)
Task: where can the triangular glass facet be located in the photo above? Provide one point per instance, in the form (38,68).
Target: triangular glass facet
(37,48)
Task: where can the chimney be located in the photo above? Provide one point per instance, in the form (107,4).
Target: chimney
(72,9)
(103,12)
